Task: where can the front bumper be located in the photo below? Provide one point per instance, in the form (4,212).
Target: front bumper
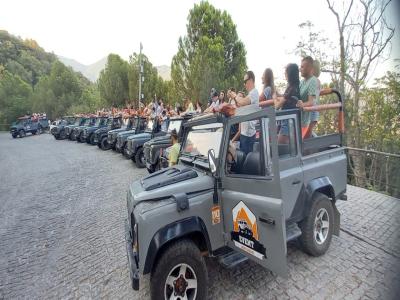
(133,259)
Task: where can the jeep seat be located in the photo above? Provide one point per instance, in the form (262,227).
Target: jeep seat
(240,158)
(252,165)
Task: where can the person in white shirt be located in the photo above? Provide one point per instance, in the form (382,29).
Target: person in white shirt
(214,103)
(247,130)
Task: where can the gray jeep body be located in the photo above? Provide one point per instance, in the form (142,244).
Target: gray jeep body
(25,125)
(60,132)
(88,133)
(279,195)
(113,123)
(123,136)
(69,129)
(78,131)
(153,148)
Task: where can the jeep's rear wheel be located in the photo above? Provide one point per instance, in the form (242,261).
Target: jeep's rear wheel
(317,227)
(139,158)
(180,273)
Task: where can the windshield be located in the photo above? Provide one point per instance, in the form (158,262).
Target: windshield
(86,123)
(174,124)
(22,121)
(98,121)
(149,125)
(202,138)
(78,121)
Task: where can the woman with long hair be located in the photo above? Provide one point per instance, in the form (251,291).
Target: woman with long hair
(268,85)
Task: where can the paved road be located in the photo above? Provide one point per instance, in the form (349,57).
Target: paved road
(62,206)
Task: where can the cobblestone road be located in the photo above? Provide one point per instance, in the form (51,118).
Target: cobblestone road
(62,206)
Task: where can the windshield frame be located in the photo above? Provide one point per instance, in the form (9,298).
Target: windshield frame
(204,128)
(178,130)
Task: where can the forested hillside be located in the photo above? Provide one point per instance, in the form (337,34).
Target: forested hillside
(33,80)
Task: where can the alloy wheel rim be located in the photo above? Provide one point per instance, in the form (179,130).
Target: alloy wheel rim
(181,283)
(321,226)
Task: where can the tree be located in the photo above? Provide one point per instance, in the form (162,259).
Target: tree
(55,93)
(364,35)
(152,85)
(15,95)
(210,55)
(113,81)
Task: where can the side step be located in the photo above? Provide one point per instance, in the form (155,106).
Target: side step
(231,259)
(292,232)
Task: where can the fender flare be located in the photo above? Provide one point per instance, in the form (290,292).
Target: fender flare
(172,232)
(324,186)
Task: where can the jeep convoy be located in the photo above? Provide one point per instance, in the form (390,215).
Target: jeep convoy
(220,202)
(59,131)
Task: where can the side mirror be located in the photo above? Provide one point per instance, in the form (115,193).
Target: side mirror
(212,161)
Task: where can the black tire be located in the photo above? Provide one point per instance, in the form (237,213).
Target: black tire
(104,145)
(39,130)
(22,133)
(62,135)
(91,139)
(72,136)
(34,132)
(140,159)
(151,169)
(311,243)
(79,138)
(14,135)
(180,252)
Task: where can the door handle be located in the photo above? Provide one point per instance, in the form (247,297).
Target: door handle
(296,182)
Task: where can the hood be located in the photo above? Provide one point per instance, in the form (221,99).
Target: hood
(102,130)
(159,141)
(127,133)
(92,128)
(167,182)
(140,136)
(118,130)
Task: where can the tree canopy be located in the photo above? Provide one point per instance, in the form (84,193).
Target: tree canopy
(209,55)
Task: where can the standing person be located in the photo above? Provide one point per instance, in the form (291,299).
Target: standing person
(214,103)
(288,100)
(221,97)
(268,88)
(247,130)
(308,93)
(174,150)
(213,90)
(198,107)
(314,117)
(231,96)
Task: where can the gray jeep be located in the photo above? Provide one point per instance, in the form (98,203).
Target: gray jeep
(221,202)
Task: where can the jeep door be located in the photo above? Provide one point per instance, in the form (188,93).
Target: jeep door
(251,198)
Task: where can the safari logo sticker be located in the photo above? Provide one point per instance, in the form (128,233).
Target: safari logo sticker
(245,231)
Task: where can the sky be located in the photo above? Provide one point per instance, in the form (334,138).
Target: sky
(89,30)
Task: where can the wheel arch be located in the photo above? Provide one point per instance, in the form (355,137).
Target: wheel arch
(192,228)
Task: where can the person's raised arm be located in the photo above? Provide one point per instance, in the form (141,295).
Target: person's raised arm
(240,101)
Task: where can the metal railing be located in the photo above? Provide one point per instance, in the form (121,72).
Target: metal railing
(375,170)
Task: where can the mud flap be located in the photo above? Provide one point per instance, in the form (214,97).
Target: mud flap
(336,220)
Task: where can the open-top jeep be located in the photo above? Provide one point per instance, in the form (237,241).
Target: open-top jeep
(127,125)
(78,131)
(100,137)
(60,131)
(79,121)
(134,144)
(140,126)
(26,125)
(88,133)
(153,149)
(220,202)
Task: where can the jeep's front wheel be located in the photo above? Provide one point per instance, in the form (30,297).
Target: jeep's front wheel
(317,227)
(22,133)
(180,273)
(139,158)
(104,145)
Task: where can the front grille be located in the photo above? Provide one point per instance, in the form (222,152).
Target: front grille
(147,153)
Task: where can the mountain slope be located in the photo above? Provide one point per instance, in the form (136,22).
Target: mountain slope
(91,71)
